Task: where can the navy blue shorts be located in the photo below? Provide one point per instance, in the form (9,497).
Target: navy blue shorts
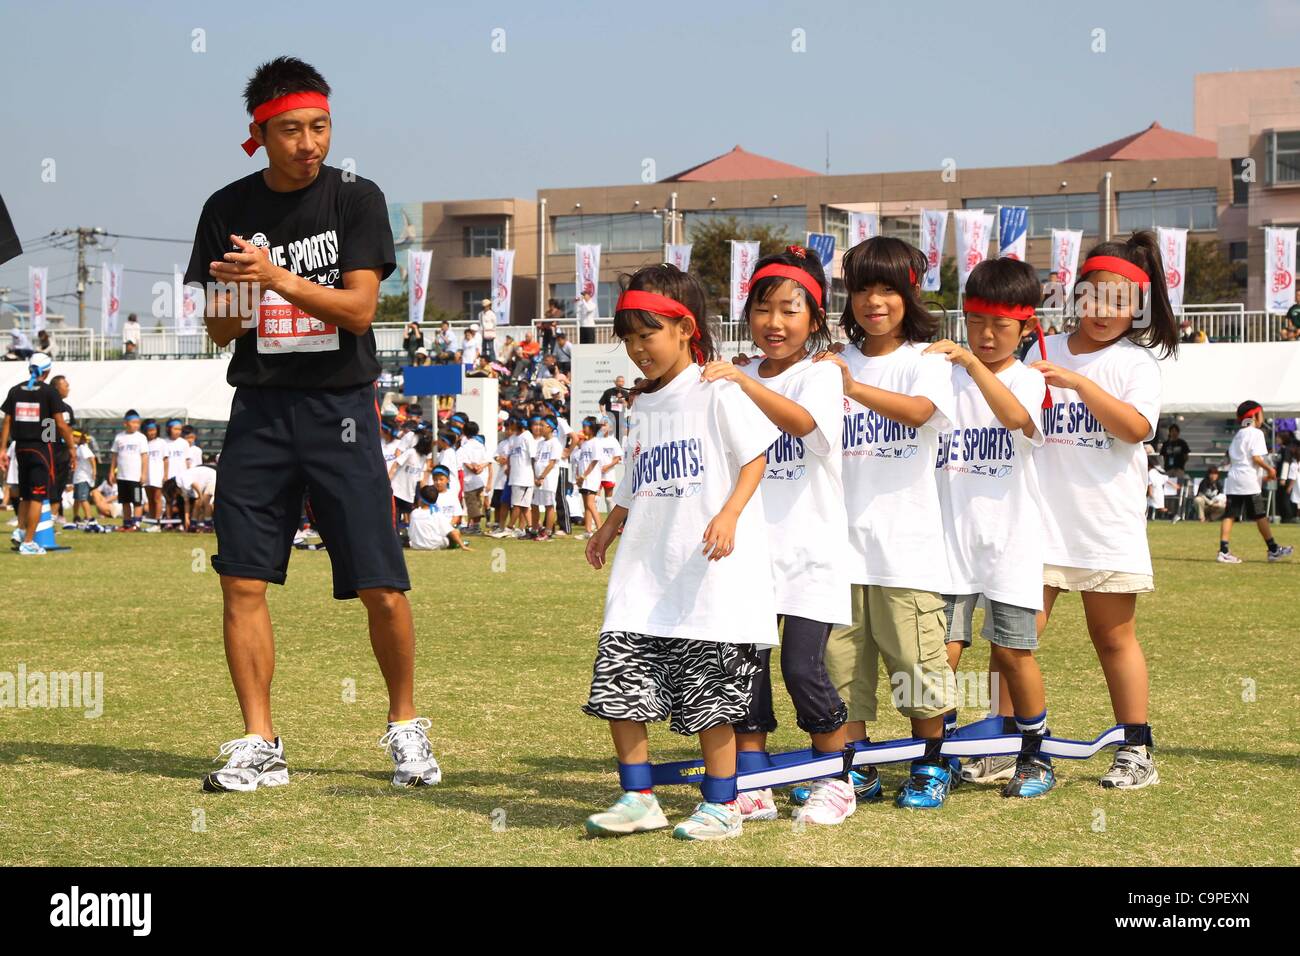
(284,442)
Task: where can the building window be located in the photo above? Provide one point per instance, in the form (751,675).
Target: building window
(837,224)
(1240,188)
(1237,256)
(792,220)
(1195,209)
(471,302)
(907,228)
(1282,157)
(1060,211)
(481,240)
(618,232)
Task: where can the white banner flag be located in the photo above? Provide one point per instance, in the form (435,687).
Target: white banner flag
(110,302)
(1065,257)
(186,305)
(934,223)
(417,277)
(1279,268)
(743,257)
(503,274)
(1173,253)
(679,255)
(862,226)
(586,261)
(37,279)
(974,227)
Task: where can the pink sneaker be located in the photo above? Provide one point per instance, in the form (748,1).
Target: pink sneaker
(756,805)
(830,802)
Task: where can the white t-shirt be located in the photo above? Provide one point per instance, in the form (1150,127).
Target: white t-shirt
(803,498)
(451,461)
(469,352)
(176,449)
(891,493)
(391,450)
(487,320)
(195,481)
(471,451)
(988,489)
(85,469)
(498,469)
(105,489)
(587,454)
(428,529)
(193,456)
(522,452)
(1093,484)
(408,440)
(157,452)
(128,447)
(1243,473)
(689,440)
(548,450)
(587,310)
(406,480)
(611,449)
(447,505)
(1156,488)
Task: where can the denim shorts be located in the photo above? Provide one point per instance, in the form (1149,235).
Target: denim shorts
(81,491)
(1005,625)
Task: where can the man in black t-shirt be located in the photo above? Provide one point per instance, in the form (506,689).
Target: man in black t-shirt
(291,258)
(614,401)
(34,419)
(1175,451)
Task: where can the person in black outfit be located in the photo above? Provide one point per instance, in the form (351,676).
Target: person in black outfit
(311,245)
(30,408)
(414,340)
(1174,451)
(613,401)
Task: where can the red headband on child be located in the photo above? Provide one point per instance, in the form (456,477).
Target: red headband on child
(282,104)
(1000,309)
(661,305)
(1121,267)
(789,272)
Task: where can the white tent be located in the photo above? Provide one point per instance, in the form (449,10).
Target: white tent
(1216,378)
(182,388)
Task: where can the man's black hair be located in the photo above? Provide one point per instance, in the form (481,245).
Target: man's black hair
(279,77)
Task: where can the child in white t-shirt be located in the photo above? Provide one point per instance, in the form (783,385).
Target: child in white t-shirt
(1104,385)
(992,511)
(1157,487)
(546,469)
(83,478)
(1248,467)
(432,523)
(586,463)
(683,620)
(409,472)
(154,482)
(523,452)
(501,482)
(898,401)
(803,501)
(128,462)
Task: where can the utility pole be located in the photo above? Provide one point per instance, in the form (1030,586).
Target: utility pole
(86,236)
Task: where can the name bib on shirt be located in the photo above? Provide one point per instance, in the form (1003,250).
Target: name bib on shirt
(283,327)
(27,411)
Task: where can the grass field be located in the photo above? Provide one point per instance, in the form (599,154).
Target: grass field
(505,641)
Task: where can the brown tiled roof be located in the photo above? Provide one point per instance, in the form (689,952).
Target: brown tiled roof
(1154,142)
(739,164)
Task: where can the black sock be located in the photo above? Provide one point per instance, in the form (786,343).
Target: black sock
(1272,545)
(1223,547)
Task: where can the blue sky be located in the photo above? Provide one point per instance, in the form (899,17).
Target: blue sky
(142,129)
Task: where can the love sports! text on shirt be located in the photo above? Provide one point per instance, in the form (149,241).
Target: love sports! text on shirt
(978,451)
(870,433)
(1070,423)
(283,326)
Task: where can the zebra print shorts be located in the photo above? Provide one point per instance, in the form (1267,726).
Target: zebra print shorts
(698,684)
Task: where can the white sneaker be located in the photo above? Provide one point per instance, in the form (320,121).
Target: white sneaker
(30,547)
(1133,769)
(1283,551)
(1226,558)
(989,769)
(18,536)
(254,762)
(831,802)
(756,805)
(413,762)
(153,529)
(711,821)
(633,813)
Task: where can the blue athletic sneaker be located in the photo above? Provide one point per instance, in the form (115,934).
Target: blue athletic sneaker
(866,787)
(1034,777)
(926,788)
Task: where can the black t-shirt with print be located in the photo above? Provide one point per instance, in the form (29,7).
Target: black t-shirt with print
(30,408)
(318,232)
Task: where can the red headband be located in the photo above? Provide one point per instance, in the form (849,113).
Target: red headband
(282,104)
(1121,267)
(661,305)
(1000,309)
(789,272)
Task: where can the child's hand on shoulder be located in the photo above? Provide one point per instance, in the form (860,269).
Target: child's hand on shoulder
(723,371)
(1057,376)
(833,357)
(953,352)
(720,536)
